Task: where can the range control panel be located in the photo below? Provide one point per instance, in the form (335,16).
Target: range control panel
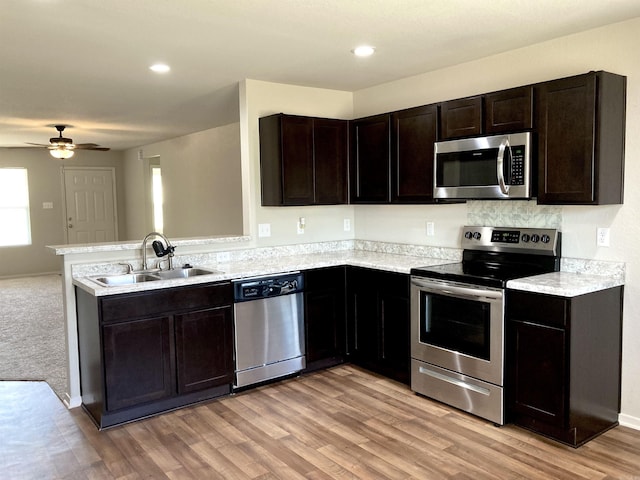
(543,241)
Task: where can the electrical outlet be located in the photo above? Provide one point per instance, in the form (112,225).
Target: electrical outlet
(300,225)
(347,224)
(603,237)
(431,229)
(223,257)
(264,229)
(47,205)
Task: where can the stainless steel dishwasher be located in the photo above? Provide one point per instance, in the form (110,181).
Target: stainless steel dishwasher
(269,327)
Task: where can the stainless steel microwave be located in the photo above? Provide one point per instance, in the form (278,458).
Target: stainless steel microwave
(494,167)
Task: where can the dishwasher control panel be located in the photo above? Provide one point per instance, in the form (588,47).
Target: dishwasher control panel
(261,287)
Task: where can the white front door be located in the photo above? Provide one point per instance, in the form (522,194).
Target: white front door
(90,201)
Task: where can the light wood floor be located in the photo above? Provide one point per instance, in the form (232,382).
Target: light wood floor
(342,423)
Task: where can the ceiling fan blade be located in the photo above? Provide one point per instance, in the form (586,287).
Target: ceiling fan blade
(62,143)
(91,146)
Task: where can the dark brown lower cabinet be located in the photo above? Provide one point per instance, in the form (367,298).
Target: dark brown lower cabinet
(378,321)
(148,352)
(203,350)
(324,310)
(138,362)
(563,363)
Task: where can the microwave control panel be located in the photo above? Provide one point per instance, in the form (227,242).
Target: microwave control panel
(517,165)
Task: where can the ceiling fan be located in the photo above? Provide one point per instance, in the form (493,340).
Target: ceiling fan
(61,147)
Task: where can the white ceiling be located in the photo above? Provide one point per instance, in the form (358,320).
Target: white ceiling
(85,62)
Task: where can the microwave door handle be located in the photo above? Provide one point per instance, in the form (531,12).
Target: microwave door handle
(504,188)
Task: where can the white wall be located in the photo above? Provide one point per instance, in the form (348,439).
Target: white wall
(259,99)
(202,185)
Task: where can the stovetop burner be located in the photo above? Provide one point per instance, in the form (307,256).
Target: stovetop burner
(494,255)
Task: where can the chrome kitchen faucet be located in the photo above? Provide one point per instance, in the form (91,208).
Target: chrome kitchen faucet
(160,250)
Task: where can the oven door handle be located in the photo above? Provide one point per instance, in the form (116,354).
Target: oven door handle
(457,291)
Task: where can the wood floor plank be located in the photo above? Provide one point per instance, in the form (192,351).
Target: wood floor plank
(343,423)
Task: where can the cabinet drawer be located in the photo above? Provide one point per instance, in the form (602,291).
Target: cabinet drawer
(537,308)
(147,304)
(324,278)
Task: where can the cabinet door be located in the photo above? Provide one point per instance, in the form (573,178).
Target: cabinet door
(297,160)
(363,325)
(138,362)
(567,110)
(204,349)
(581,125)
(286,160)
(509,110)
(369,161)
(325,316)
(461,118)
(414,133)
(538,372)
(378,321)
(330,139)
(395,351)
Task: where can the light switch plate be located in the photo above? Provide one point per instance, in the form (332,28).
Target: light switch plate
(431,229)
(347,224)
(264,229)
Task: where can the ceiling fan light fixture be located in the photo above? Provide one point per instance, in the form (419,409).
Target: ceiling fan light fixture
(61,153)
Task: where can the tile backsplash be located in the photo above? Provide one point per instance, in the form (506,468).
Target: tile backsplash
(513,213)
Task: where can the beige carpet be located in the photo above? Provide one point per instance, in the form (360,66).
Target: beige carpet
(32,338)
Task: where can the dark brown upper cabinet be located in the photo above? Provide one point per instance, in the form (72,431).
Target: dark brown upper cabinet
(415,130)
(509,110)
(303,160)
(581,131)
(330,147)
(369,163)
(461,118)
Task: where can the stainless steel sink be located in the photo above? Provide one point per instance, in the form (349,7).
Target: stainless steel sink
(131,278)
(183,273)
(126,279)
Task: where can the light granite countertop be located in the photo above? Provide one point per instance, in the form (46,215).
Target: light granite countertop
(565,284)
(267,266)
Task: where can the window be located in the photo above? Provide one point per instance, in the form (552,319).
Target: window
(156,189)
(14,207)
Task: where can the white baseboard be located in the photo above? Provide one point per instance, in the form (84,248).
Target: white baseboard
(25,275)
(629,421)
(70,402)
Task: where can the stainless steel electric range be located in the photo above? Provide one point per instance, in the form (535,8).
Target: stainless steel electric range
(458,313)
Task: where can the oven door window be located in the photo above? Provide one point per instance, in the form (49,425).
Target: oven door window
(457,324)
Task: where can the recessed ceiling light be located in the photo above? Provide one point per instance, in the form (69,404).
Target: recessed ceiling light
(160,68)
(363,51)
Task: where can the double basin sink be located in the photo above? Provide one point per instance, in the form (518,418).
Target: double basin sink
(131,278)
